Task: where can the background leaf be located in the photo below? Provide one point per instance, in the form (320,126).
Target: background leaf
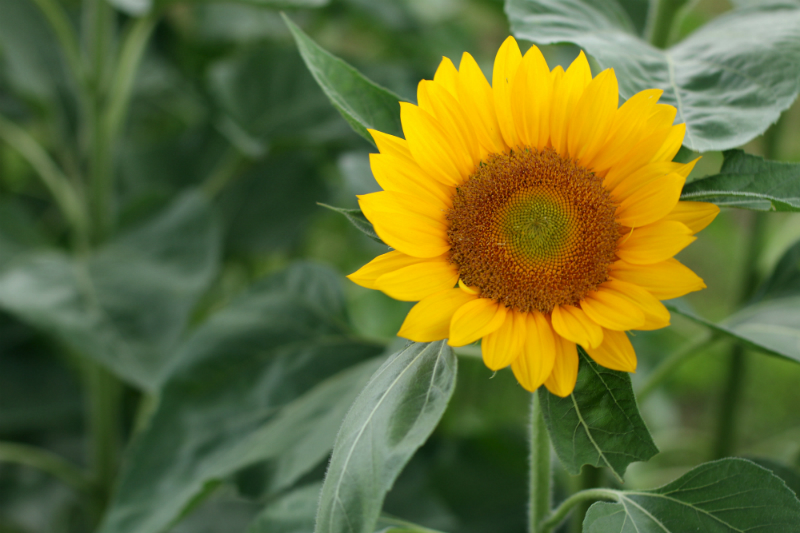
(599,423)
(729,80)
(750,182)
(362,103)
(269,377)
(390,419)
(722,496)
(357,219)
(127,305)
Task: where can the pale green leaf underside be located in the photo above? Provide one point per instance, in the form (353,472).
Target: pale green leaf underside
(392,417)
(725,496)
(772,326)
(599,423)
(750,182)
(729,80)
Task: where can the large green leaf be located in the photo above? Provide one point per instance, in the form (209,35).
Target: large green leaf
(729,80)
(726,496)
(784,280)
(599,423)
(362,103)
(772,327)
(127,305)
(750,182)
(390,419)
(269,377)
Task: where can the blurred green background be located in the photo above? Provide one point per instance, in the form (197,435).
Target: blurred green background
(224,102)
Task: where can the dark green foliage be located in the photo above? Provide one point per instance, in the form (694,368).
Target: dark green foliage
(599,423)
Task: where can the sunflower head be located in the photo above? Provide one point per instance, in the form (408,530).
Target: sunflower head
(534,213)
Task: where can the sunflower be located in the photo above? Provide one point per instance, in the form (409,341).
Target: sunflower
(534,214)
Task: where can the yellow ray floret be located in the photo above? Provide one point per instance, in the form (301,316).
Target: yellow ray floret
(534,213)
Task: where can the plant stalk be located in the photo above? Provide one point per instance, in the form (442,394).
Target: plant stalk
(47,462)
(540,473)
(661,27)
(103,404)
(672,363)
(67,38)
(554,518)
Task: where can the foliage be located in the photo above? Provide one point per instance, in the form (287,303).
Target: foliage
(167,176)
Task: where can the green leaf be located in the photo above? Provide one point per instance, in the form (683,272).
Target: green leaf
(750,182)
(127,305)
(363,104)
(729,80)
(292,513)
(725,496)
(392,417)
(599,423)
(266,92)
(784,280)
(357,219)
(772,327)
(269,377)
(789,475)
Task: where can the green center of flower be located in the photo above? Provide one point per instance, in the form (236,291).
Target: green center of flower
(532,230)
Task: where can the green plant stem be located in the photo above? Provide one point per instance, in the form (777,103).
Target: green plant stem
(229,166)
(134,44)
(724,443)
(66,36)
(661,28)
(560,513)
(56,182)
(672,363)
(48,462)
(591,478)
(540,474)
(104,395)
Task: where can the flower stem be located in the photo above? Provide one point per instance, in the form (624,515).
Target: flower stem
(560,513)
(540,474)
(104,395)
(45,461)
(661,27)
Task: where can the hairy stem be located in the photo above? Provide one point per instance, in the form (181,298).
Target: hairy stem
(560,513)
(540,475)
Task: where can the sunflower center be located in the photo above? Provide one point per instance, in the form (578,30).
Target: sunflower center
(532,230)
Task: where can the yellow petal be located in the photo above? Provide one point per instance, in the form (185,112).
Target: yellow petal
(531,92)
(476,319)
(402,175)
(612,311)
(651,202)
(573,324)
(695,215)
(625,186)
(383,264)
(565,368)
(627,127)
(640,155)
(615,353)
(535,363)
(566,95)
(444,106)
(500,348)
(430,319)
(429,145)
(654,243)
(477,99)
(593,116)
(406,223)
(656,316)
(415,282)
(665,280)
(447,76)
(672,144)
(505,68)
